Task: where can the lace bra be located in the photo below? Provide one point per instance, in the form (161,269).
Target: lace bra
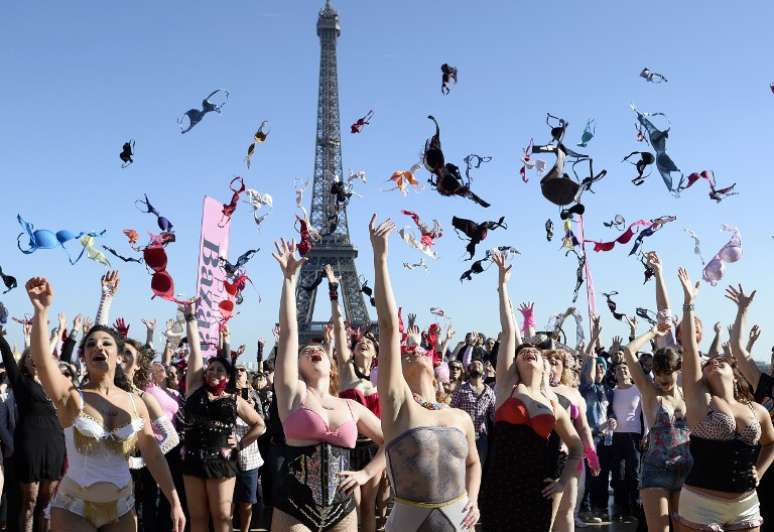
(721,426)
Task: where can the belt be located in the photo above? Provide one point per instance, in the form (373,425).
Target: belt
(432,505)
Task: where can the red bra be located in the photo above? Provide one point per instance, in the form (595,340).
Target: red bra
(514,411)
(371,402)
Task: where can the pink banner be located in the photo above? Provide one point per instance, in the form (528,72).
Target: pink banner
(213,244)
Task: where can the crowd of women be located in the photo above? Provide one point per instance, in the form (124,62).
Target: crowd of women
(391,430)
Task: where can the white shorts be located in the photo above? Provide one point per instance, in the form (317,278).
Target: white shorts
(705,512)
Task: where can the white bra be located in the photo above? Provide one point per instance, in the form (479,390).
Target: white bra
(91,428)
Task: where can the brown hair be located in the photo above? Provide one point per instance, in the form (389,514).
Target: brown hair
(667,360)
(742,390)
(142,375)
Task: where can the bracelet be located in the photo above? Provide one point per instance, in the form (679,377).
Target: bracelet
(688,307)
(333,291)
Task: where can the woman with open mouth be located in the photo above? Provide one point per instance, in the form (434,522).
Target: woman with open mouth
(433,462)
(103,422)
(521,472)
(731,441)
(316,482)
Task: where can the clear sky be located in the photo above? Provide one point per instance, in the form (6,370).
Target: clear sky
(80,78)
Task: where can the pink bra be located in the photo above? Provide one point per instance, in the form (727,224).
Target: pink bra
(305,424)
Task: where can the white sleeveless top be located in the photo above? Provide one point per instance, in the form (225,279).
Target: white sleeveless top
(98,455)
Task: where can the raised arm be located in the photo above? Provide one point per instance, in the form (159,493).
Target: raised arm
(741,354)
(193,376)
(528,319)
(340,341)
(109,283)
(11,367)
(695,392)
(589,359)
(755,334)
(58,387)
(662,296)
(643,383)
(510,333)
(714,349)
(150,328)
(286,365)
(393,390)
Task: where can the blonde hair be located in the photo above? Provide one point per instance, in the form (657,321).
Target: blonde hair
(567,377)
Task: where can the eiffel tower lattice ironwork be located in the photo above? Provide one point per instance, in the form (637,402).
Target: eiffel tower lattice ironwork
(335,247)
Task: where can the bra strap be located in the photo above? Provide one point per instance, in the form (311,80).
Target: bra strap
(350,409)
(134,406)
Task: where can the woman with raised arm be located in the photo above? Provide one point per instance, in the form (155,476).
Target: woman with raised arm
(732,438)
(432,460)
(354,358)
(522,465)
(103,422)
(314,487)
(209,445)
(762,383)
(667,459)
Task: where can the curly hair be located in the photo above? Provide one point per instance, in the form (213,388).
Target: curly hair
(119,379)
(568,376)
(145,355)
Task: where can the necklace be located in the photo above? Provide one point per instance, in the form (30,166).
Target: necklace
(430,405)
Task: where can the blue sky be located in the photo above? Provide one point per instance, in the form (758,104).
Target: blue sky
(81,78)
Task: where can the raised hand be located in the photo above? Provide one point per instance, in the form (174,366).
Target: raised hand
(717,327)
(414,335)
(412,319)
(755,333)
(40,293)
(738,296)
(617,343)
(276,332)
(62,321)
(596,326)
(285,257)
(503,268)
(653,261)
(690,290)
(632,323)
(110,282)
(527,309)
(149,324)
(87,325)
(121,326)
(380,234)
(77,322)
(189,310)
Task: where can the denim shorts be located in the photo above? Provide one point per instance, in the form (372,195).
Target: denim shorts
(652,476)
(246,487)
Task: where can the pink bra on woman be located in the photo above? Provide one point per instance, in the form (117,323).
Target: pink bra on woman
(305,424)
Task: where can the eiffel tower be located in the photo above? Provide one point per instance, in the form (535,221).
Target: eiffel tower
(335,247)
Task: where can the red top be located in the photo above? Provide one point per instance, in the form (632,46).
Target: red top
(515,412)
(371,402)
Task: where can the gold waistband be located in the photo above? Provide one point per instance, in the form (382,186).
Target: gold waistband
(431,504)
(101,492)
